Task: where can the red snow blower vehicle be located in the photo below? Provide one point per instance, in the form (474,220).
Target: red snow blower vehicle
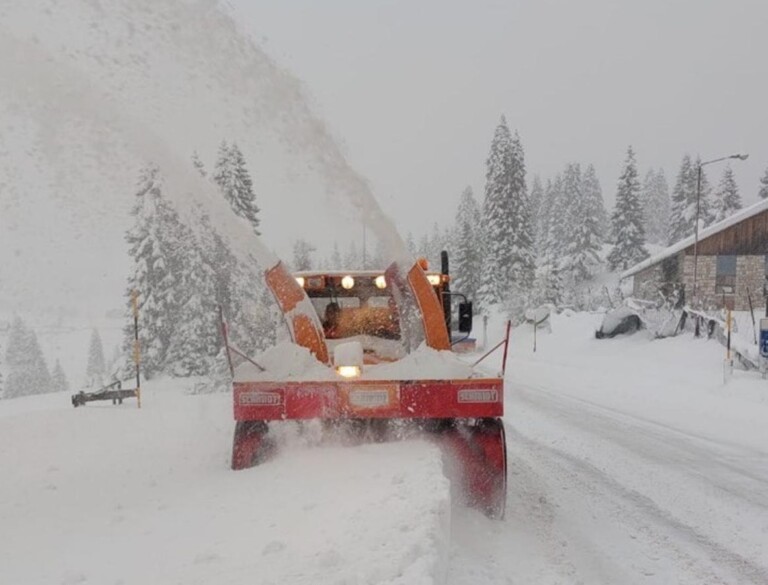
(379,329)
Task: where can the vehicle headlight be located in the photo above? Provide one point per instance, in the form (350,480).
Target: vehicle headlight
(348,371)
(347,282)
(300,280)
(434,279)
(348,359)
(380,281)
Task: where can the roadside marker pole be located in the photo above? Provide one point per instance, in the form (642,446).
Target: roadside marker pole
(728,365)
(136,347)
(752,312)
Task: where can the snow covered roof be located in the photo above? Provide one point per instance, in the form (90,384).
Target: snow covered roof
(715,228)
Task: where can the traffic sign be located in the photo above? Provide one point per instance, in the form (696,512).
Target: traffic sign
(764,337)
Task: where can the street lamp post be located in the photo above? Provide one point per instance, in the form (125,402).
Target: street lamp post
(696,226)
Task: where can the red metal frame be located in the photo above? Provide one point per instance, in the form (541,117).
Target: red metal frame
(267,401)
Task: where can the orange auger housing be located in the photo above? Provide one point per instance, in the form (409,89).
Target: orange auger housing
(383,315)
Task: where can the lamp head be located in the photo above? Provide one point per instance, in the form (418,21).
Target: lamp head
(740,156)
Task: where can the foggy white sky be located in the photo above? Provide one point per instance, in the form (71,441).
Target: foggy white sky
(414,89)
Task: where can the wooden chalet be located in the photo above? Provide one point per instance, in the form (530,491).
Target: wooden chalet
(732,262)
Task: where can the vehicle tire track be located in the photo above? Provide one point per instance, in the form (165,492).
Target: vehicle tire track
(664,534)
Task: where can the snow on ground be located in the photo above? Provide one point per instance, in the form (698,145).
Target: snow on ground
(106,494)
(630,462)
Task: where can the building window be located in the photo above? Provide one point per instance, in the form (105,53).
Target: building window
(725,281)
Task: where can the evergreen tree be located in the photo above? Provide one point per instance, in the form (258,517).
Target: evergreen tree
(59,381)
(379,259)
(537,209)
(467,257)
(335,261)
(727,199)
(656,207)
(548,286)
(543,223)
(219,378)
(198,164)
(410,244)
(154,250)
(302,255)
(683,202)
(423,248)
(94,373)
(763,193)
(593,194)
(435,245)
(508,270)
(234,180)
(580,225)
(627,217)
(27,371)
(182,278)
(352,259)
(195,340)
(706,212)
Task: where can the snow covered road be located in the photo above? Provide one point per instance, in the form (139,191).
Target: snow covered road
(606,488)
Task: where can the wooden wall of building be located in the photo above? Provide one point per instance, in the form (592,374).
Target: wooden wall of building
(748,237)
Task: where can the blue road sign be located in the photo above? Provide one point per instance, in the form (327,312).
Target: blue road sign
(764,338)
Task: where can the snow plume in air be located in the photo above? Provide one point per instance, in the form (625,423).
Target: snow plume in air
(183,68)
(108,86)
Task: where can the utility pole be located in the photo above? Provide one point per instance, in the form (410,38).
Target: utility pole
(696,232)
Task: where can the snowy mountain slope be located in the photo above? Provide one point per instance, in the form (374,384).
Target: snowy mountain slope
(105,494)
(93,90)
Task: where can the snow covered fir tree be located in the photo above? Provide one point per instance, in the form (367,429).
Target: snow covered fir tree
(685,200)
(59,382)
(507,272)
(467,247)
(232,176)
(763,192)
(96,368)
(727,200)
(27,370)
(183,276)
(302,255)
(628,230)
(580,223)
(656,207)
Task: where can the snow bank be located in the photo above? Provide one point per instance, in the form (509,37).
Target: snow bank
(675,381)
(425,363)
(107,494)
(286,361)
